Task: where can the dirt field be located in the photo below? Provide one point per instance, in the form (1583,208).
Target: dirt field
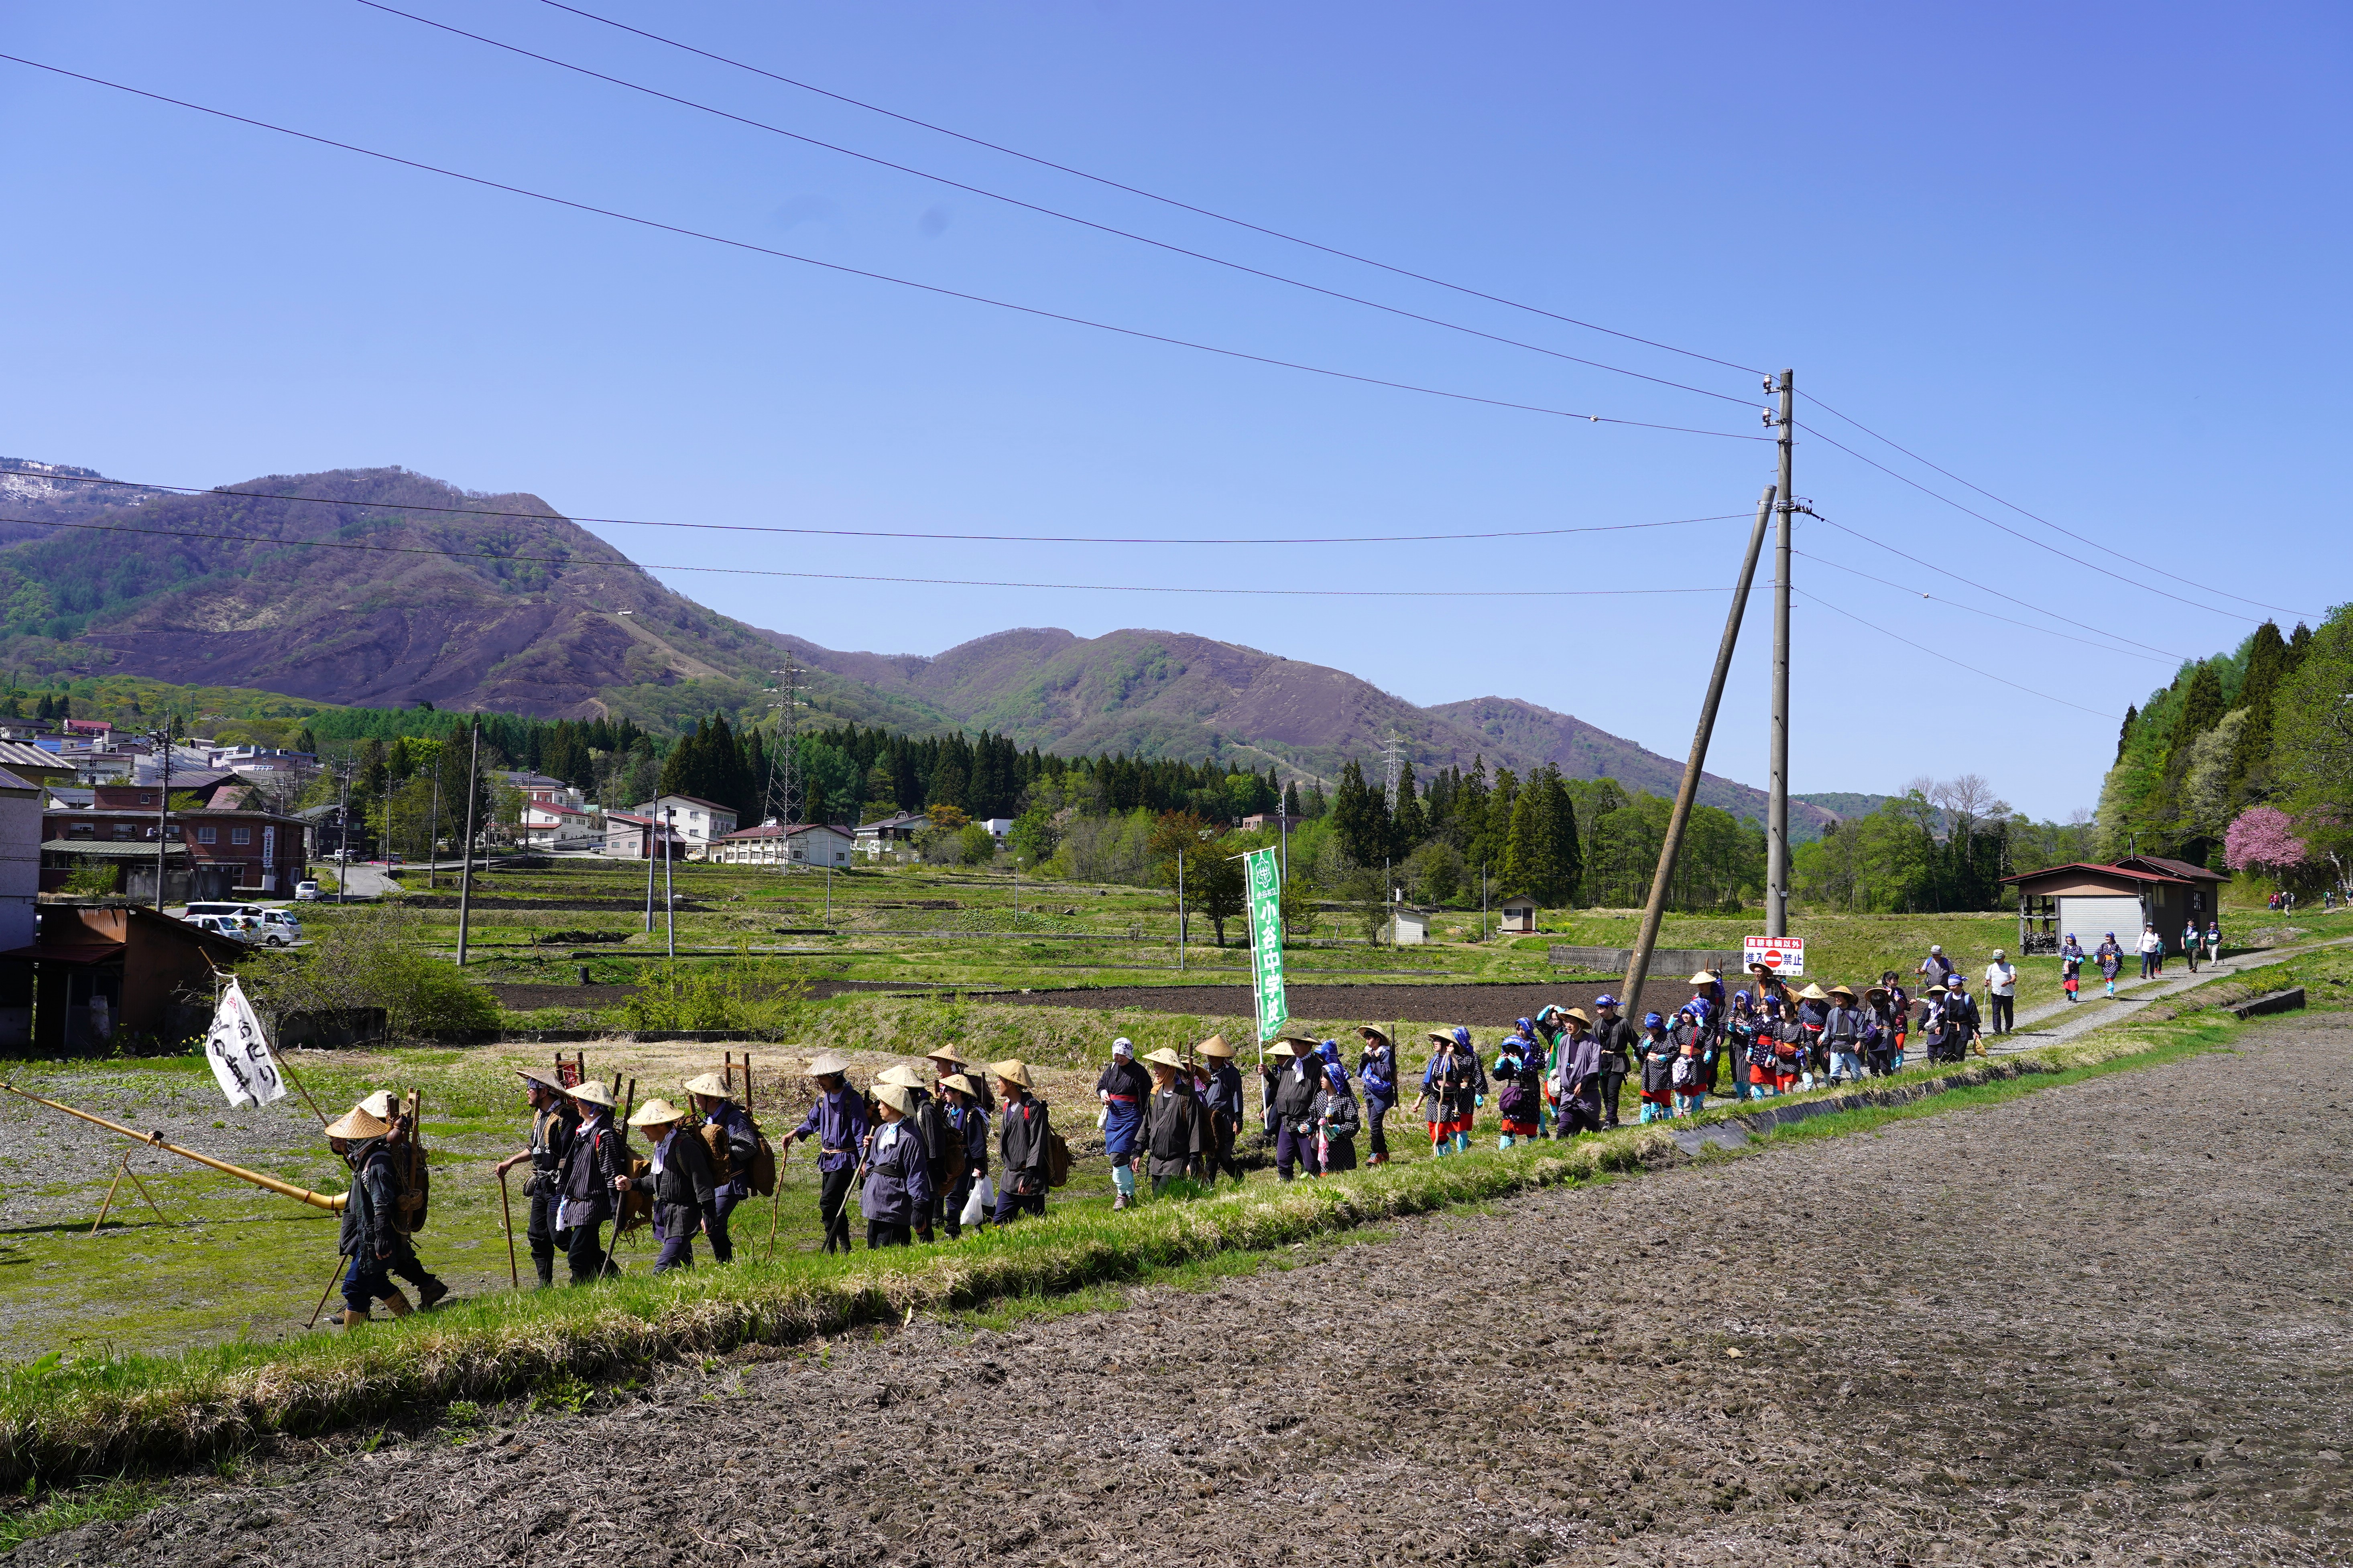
(1481,1006)
(2103,1323)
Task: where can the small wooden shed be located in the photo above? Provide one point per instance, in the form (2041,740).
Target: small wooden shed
(1408,927)
(1518,915)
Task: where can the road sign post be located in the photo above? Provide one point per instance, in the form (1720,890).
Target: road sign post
(1783,956)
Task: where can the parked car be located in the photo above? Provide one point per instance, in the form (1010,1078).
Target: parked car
(237,926)
(306,892)
(277,928)
(252,911)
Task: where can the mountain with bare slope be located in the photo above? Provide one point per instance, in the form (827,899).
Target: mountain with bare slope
(383,587)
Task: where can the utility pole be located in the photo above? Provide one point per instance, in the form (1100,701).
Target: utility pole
(466,867)
(433,827)
(1777,808)
(670,898)
(164,822)
(344,830)
(1181,911)
(653,847)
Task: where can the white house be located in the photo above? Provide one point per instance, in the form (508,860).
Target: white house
(632,838)
(998,827)
(803,844)
(1408,927)
(696,821)
(876,839)
(556,827)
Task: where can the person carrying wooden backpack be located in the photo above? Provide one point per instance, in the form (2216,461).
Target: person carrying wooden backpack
(732,1140)
(1024,1143)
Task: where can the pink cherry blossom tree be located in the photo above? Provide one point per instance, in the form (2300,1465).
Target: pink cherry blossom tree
(2263,838)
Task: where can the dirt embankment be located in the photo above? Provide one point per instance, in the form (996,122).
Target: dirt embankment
(2104,1323)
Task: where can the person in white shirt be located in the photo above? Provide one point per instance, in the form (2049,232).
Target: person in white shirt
(2001,986)
(2152,952)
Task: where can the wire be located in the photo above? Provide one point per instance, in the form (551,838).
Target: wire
(1047,211)
(888,533)
(1150,195)
(2030,539)
(626,564)
(876,277)
(2021,604)
(2037,517)
(1948,658)
(1955,603)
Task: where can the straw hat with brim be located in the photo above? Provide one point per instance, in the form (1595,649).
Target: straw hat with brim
(710,1083)
(1372,1034)
(1813,993)
(1012,1070)
(1845,991)
(1281,1048)
(830,1065)
(961,1084)
(945,1054)
(380,1104)
(533,1075)
(1303,1044)
(657,1112)
(898,1096)
(1937,990)
(591,1091)
(1578,1013)
(1440,1037)
(902,1077)
(1874,991)
(1164,1057)
(1215,1046)
(1705,978)
(356,1125)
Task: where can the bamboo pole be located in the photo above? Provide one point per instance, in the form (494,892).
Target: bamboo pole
(120,1165)
(332,1205)
(506,1206)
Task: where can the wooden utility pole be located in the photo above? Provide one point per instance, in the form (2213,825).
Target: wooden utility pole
(1638,969)
(466,867)
(1777,808)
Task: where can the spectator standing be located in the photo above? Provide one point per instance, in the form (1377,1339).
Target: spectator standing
(1615,1036)
(1935,969)
(2190,944)
(2001,990)
(2214,942)
(2151,947)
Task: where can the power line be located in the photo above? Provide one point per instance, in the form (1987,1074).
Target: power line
(2014,534)
(945,292)
(1972,609)
(626,564)
(1150,195)
(1043,210)
(1948,658)
(2036,516)
(891,534)
(2011,598)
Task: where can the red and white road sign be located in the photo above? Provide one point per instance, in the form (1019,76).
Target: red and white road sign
(1782,955)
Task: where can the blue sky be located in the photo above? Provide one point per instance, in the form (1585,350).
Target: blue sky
(2089,257)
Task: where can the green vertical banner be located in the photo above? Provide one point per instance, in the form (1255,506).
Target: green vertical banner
(1265,879)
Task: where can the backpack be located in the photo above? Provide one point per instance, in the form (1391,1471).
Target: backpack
(714,1143)
(764,1166)
(1057,1160)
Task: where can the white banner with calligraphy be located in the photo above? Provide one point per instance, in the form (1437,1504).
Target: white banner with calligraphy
(240,1052)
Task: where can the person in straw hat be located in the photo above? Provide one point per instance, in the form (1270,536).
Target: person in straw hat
(931,1128)
(1175,1128)
(685,1198)
(967,1124)
(1221,1106)
(946,1059)
(598,1154)
(838,1123)
(898,1170)
(1022,1129)
(1378,1070)
(1123,1089)
(1577,1071)
(553,1121)
(1295,1074)
(408,1172)
(1843,1032)
(716,1108)
(1615,1036)
(369,1237)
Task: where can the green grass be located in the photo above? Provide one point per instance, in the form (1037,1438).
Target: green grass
(69,1510)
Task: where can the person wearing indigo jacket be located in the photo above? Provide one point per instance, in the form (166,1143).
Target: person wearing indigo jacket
(838,1123)
(898,1171)
(686,1200)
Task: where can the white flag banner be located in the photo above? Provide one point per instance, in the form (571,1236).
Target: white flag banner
(240,1052)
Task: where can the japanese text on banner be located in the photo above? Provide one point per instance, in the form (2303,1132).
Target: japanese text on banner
(240,1052)
(1265,882)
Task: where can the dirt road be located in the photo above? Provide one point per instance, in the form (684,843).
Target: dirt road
(2104,1324)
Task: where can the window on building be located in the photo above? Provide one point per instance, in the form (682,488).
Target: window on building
(82,830)
(146,797)
(240,835)
(208,835)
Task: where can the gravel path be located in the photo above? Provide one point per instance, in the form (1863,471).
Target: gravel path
(2105,1322)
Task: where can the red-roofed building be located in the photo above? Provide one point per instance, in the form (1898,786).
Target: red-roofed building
(2087,901)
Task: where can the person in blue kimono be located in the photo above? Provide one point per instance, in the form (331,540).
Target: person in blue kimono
(1124,1088)
(898,1171)
(1519,1074)
(838,1123)
(1377,1070)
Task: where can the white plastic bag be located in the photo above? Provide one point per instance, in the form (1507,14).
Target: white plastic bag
(981,1205)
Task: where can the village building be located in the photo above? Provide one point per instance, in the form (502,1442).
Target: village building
(1517,915)
(803,844)
(2088,901)
(890,833)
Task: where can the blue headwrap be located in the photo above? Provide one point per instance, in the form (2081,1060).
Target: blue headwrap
(1332,1068)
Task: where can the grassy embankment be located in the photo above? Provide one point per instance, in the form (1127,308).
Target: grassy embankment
(64,1419)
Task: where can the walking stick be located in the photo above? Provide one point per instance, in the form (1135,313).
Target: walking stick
(330,1290)
(514,1270)
(776,1200)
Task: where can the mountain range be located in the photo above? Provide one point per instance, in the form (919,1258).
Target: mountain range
(383,587)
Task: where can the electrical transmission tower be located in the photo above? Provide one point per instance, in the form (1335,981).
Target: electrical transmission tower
(1396,756)
(786,798)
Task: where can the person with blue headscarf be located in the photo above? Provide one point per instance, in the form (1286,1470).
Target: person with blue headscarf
(1333,1069)
(1519,1068)
(1453,1088)
(1376,1068)
(1124,1089)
